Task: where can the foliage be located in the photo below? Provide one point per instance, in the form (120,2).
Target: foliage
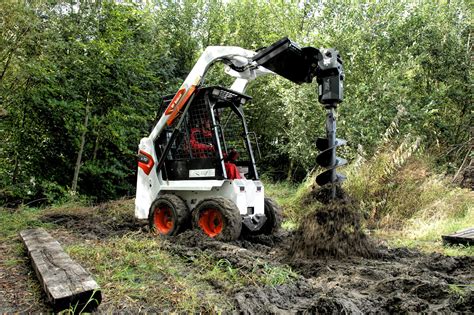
(397,187)
(80,84)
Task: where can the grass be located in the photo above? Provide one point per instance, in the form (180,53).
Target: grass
(458,291)
(230,277)
(289,196)
(410,205)
(13,221)
(277,275)
(134,271)
(424,231)
(28,292)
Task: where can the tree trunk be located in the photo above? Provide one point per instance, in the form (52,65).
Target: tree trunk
(16,163)
(96,148)
(289,175)
(81,149)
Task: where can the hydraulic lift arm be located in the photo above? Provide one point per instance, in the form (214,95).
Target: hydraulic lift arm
(301,65)
(239,63)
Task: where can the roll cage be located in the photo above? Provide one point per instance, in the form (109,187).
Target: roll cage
(223,108)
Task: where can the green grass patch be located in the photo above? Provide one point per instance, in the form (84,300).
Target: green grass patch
(291,197)
(229,277)
(133,271)
(13,252)
(13,221)
(277,275)
(448,210)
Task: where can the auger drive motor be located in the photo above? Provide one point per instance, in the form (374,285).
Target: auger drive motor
(197,167)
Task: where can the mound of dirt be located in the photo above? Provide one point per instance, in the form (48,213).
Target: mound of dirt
(334,230)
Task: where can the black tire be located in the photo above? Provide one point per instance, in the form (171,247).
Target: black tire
(274,217)
(168,208)
(229,221)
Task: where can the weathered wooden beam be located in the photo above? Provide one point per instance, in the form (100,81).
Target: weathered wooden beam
(66,283)
(465,237)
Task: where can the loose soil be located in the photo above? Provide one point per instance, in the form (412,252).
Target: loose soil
(375,280)
(334,230)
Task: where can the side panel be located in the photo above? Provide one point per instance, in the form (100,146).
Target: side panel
(148,186)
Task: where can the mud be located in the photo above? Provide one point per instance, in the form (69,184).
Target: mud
(392,281)
(396,280)
(99,222)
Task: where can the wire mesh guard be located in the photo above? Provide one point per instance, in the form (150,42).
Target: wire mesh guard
(231,133)
(196,139)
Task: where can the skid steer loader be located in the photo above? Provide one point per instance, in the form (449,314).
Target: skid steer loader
(197,167)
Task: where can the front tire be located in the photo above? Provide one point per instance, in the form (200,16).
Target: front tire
(168,215)
(274,217)
(218,218)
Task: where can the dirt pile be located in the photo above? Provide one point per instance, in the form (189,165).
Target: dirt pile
(333,230)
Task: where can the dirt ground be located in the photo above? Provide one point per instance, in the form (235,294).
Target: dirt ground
(399,280)
(394,280)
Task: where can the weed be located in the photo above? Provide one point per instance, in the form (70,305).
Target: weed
(73,309)
(277,275)
(457,291)
(230,278)
(400,239)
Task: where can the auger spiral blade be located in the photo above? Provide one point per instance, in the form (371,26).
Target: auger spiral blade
(324,158)
(327,157)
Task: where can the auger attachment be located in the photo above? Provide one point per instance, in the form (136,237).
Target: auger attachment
(330,75)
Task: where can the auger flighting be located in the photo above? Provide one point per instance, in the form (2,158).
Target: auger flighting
(330,75)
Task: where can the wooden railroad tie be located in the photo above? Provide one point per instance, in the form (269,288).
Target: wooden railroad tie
(465,237)
(66,283)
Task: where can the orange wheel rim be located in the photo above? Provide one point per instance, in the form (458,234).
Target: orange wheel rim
(163,220)
(211,222)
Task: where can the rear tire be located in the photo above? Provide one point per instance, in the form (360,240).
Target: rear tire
(274,217)
(218,218)
(168,215)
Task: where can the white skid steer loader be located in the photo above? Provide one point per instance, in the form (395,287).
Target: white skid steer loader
(197,167)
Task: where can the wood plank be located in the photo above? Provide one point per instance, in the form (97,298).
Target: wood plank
(465,237)
(65,282)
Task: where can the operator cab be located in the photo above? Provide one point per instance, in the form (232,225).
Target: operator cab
(213,127)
